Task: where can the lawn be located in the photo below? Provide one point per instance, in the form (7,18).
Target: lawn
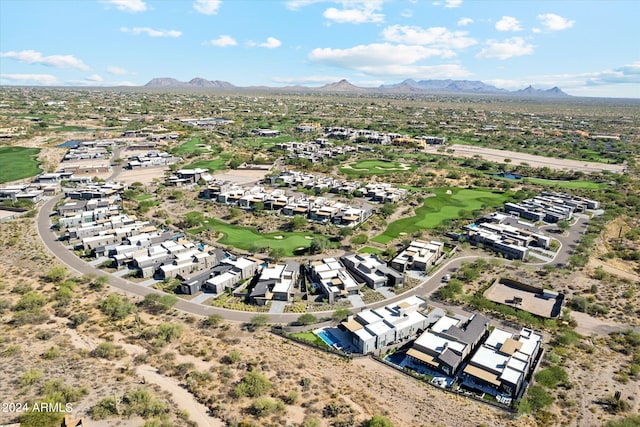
(375,167)
(435,210)
(370,250)
(572,185)
(194,144)
(310,337)
(213,165)
(248,238)
(17,163)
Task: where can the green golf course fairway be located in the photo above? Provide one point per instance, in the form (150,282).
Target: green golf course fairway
(571,185)
(375,167)
(247,238)
(17,163)
(441,207)
(213,165)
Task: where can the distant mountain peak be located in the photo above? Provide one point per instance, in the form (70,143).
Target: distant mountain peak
(549,93)
(407,86)
(342,86)
(197,82)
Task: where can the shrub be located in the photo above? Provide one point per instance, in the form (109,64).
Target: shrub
(117,307)
(254,384)
(265,406)
(378,421)
(140,402)
(30,301)
(30,377)
(231,358)
(168,332)
(107,350)
(552,376)
(105,408)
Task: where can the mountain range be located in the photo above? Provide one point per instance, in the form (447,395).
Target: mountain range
(343,86)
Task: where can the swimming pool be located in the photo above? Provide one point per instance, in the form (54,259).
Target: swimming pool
(328,338)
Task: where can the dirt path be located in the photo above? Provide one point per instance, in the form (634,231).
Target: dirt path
(198,413)
(613,270)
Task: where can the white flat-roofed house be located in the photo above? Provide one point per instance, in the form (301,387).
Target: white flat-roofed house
(419,255)
(503,362)
(371,270)
(333,279)
(219,283)
(276,282)
(247,267)
(371,330)
(449,341)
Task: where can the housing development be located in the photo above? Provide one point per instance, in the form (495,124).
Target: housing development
(218,247)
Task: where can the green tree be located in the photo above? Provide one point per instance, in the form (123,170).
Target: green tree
(257,321)
(388,209)
(277,253)
(340,314)
(306,319)
(298,222)
(319,245)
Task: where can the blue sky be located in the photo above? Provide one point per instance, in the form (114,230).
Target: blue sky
(587,48)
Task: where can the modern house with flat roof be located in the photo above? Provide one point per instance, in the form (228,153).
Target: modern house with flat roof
(276,282)
(503,363)
(371,330)
(449,342)
(372,271)
(419,255)
(333,279)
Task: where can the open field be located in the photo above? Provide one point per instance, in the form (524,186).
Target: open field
(241,176)
(499,156)
(247,238)
(145,176)
(375,167)
(17,163)
(442,207)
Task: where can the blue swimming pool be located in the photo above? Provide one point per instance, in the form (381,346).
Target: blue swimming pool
(328,338)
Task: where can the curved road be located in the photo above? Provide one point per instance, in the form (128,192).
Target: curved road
(424,289)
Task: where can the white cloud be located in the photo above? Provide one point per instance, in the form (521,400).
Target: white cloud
(128,5)
(463,22)
(363,57)
(223,41)
(359,13)
(271,43)
(298,4)
(448,3)
(151,32)
(58,61)
(553,22)
(41,79)
(439,36)
(508,23)
(207,7)
(443,71)
(505,49)
(626,74)
(407,13)
(117,71)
